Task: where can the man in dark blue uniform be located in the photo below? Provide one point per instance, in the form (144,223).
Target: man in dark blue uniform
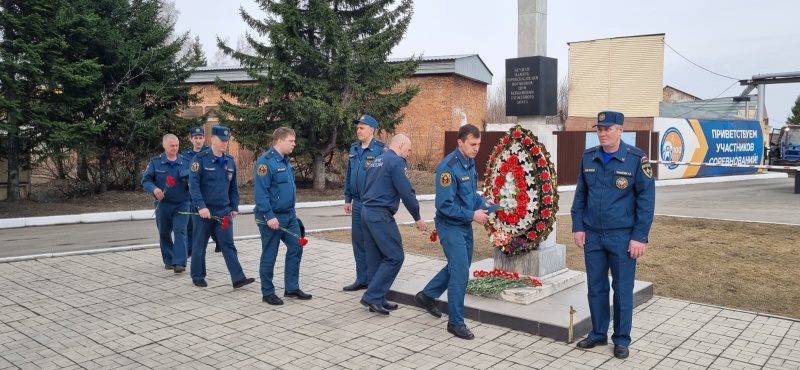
(275,194)
(458,205)
(166,178)
(198,140)
(611,218)
(386,184)
(215,193)
(362,153)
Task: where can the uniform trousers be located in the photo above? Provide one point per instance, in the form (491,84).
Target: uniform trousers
(270,240)
(384,251)
(169,223)
(203,227)
(604,251)
(457,243)
(359,253)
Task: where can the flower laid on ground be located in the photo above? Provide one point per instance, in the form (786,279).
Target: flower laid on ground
(521,179)
(224,220)
(303,241)
(170,183)
(434,235)
(492,283)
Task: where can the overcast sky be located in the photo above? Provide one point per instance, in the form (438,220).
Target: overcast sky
(735,38)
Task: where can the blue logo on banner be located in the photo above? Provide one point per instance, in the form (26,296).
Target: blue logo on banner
(672,147)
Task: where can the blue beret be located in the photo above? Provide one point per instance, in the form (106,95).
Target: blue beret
(609,118)
(197,131)
(367,120)
(221,132)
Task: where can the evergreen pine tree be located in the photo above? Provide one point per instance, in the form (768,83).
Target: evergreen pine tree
(794,119)
(325,64)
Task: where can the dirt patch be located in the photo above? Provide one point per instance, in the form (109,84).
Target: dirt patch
(750,266)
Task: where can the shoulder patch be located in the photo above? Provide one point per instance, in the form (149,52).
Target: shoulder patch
(592,149)
(269,155)
(385,149)
(202,154)
(636,151)
(262,169)
(445,179)
(380,143)
(452,161)
(156,157)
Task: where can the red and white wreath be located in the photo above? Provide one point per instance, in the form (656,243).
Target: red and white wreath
(520,178)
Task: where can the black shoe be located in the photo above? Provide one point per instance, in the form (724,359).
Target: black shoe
(217,250)
(297,294)
(167,267)
(243,282)
(374,307)
(178,269)
(201,283)
(272,299)
(390,306)
(354,286)
(427,303)
(587,343)
(460,331)
(620,352)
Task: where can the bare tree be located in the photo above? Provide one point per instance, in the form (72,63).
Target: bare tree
(563,100)
(496,104)
(242,46)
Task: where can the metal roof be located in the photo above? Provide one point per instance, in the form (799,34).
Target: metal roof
(470,66)
(719,108)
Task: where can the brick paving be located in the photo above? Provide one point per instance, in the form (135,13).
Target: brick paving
(124,311)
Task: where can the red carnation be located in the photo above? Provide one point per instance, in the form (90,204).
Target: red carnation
(499,180)
(302,241)
(491,158)
(170,181)
(536,150)
(512,219)
(547,200)
(540,226)
(498,148)
(501,215)
(546,188)
(527,141)
(518,172)
(522,211)
(225,222)
(521,184)
(532,235)
(546,212)
(505,140)
(496,192)
(513,160)
(504,168)
(542,162)
(522,197)
(545,176)
(517,134)
(434,235)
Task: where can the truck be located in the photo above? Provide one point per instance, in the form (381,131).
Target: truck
(785,146)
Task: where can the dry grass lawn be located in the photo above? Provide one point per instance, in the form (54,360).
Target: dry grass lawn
(750,266)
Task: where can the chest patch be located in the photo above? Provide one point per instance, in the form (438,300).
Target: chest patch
(621,183)
(195,166)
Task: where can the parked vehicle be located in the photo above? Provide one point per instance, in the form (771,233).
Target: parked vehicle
(785,146)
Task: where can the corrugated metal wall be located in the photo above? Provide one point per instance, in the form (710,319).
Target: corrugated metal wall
(571,145)
(625,74)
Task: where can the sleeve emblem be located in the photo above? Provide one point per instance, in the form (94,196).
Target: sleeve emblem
(446,179)
(262,169)
(195,166)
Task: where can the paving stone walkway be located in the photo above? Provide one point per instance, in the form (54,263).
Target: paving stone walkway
(125,311)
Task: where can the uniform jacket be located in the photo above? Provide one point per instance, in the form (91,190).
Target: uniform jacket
(155,176)
(357,168)
(387,182)
(274,185)
(619,195)
(456,190)
(213,183)
(189,152)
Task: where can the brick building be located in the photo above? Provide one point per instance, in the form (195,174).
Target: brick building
(452,92)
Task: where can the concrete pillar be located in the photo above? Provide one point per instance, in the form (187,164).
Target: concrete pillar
(532,28)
